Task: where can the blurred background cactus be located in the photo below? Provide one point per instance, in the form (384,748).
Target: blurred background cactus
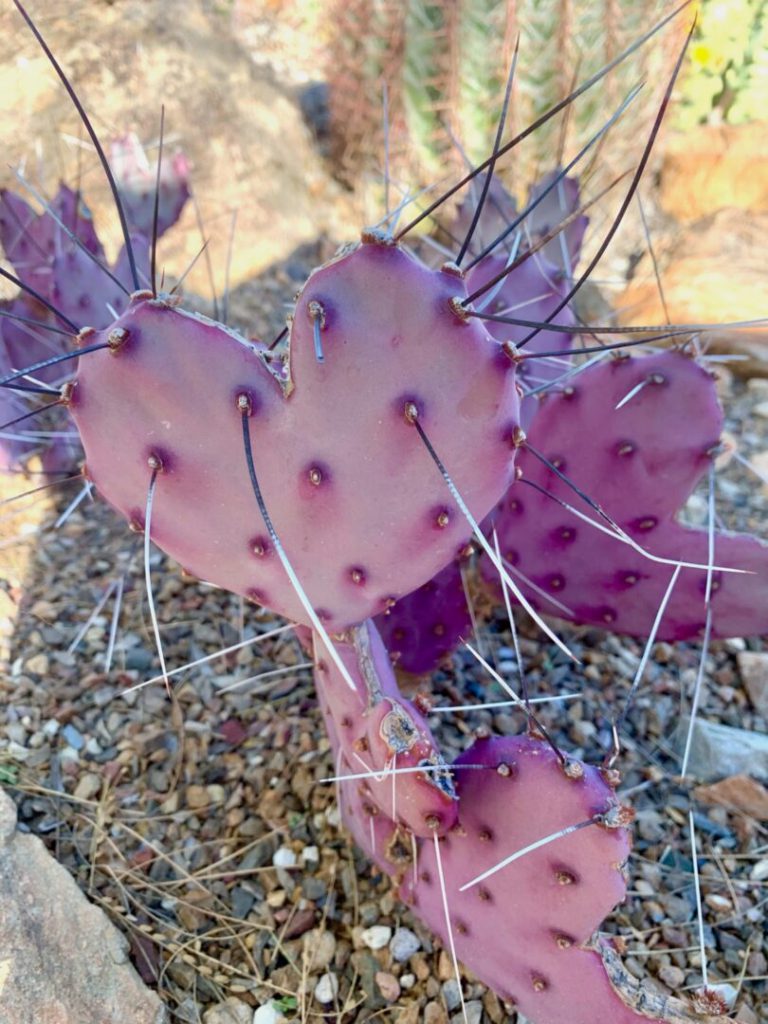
(444,65)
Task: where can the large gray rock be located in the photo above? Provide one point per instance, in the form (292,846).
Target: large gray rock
(61,960)
(719,751)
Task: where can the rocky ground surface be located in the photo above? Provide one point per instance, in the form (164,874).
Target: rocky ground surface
(204,827)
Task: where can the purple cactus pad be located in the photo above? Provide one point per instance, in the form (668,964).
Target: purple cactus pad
(355,498)
(639,463)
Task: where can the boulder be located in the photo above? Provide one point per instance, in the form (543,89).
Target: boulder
(61,960)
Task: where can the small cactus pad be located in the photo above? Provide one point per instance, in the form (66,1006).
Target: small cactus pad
(86,294)
(639,463)
(12,447)
(137,181)
(360,507)
(532,291)
(498,212)
(378,730)
(528,929)
(24,343)
(425,626)
(32,240)
(563,200)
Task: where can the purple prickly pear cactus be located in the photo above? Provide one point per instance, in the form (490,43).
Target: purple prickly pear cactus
(425,626)
(137,181)
(24,343)
(562,201)
(640,462)
(21,344)
(498,212)
(32,240)
(11,406)
(532,291)
(378,731)
(524,924)
(86,294)
(361,509)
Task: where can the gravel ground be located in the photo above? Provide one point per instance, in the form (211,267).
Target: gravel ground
(203,827)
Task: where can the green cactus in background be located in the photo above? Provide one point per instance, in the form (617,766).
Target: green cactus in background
(445,63)
(727,79)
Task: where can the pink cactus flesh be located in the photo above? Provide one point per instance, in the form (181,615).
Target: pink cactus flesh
(563,200)
(86,294)
(137,181)
(526,929)
(378,731)
(498,212)
(640,463)
(361,509)
(425,626)
(530,292)
(32,240)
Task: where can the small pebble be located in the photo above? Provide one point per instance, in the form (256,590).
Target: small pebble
(268,1013)
(720,904)
(231,1011)
(319,949)
(74,738)
(327,988)
(377,936)
(473,1010)
(404,944)
(389,986)
(451,994)
(38,664)
(673,977)
(407,981)
(88,786)
(434,1013)
(284,857)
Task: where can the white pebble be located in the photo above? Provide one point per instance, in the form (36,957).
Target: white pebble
(284,857)
(377,936)
(267,1013)
(327,988)
(310,855)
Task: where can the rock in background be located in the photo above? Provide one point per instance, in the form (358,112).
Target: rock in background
(241,128)
(61,961)
(711,241)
